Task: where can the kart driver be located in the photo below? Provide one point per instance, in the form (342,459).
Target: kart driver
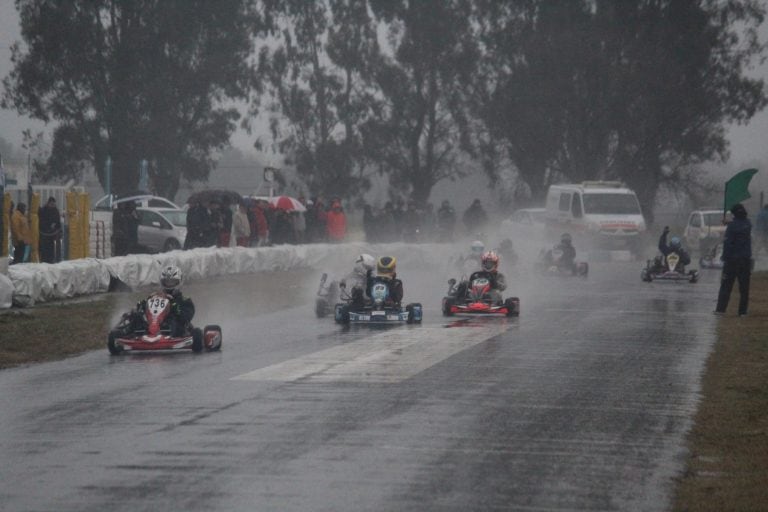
(358,279)
(386,272)
(675,246)
(490,270)
(182,309)
(472,260)
(568,258)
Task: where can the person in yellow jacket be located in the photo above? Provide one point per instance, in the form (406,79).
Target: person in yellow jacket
(20,233)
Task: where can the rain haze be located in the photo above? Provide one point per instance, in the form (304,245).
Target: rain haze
(526,381)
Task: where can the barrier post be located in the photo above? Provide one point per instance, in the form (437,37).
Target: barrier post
(34,227)
(73,226)
(5,228)
(85,231)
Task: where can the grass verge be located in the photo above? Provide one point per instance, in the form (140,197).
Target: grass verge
(727,468)
(54,331)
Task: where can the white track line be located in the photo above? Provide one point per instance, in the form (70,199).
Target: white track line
(387,357)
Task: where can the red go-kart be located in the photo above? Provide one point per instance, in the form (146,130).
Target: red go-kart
(153,330)
(475,299)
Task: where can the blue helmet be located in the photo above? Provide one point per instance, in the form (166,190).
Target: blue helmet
(674,242)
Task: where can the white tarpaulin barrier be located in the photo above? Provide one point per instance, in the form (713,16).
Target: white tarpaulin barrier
(41,282)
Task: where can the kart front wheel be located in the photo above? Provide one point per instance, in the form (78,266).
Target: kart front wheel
(197,340)
(212,338)
(447,304)
(321,308)
(112,345)
(513,306)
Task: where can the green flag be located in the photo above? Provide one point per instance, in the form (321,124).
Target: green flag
(737,188)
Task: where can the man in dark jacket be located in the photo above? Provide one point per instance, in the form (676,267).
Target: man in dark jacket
(50,232)
(737,260)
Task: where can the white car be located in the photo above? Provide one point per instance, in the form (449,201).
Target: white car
(704,228)
(162,229)
(102,209)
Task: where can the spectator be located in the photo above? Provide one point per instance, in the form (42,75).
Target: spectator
(131,223)
(20,233)
(475,217)
(737,260)
(215,223)
(259,227)
(125,228)
(282,229)
(428,223)
(446,221)
(336,222)
(198,220)
(225,230)
(321,220)
(50,232)
(241,227)
(369,224)
(387,223)
(299,226)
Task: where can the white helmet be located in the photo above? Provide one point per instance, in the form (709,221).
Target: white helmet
(364,263)
(170,278)
(477,247)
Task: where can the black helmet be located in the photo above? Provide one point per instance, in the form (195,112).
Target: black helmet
(565,239)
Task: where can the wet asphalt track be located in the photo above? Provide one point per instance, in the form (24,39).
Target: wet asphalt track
(581,404)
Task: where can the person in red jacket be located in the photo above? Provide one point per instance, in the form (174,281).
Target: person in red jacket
(337,222)
(259,226)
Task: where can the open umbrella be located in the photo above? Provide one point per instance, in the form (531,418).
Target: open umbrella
(287,203)
(215,194)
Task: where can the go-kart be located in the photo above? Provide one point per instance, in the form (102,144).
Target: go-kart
(551,263)
(153,330)
(327,296)
(475,299)
(380,308)
(712,258)
(667,269)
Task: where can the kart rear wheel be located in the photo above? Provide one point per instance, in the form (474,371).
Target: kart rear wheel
(216,330)
(197,340)
(342,314)
(645,275)
(513,306)
(414,313)
(448,302)
(321,307)
(583,269)
(112,345)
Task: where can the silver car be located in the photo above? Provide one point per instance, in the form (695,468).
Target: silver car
(162,229)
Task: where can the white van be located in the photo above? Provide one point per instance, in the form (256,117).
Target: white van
(606,212)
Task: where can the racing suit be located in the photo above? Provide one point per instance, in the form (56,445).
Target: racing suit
(665,249)
(496,279)
(395,286)
(358,288)
(567,260)
(182,310)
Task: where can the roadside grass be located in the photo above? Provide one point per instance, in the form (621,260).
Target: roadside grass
(49,332)
(727,468)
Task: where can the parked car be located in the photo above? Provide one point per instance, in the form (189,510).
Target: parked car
(102,209)
(162,229)
(704,228)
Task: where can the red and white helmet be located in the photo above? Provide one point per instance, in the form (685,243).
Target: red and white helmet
(490,261)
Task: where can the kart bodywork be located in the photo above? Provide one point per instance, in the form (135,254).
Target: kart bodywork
(378,310)
(549,265)
(477,300)
(153,331)
(667,268)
